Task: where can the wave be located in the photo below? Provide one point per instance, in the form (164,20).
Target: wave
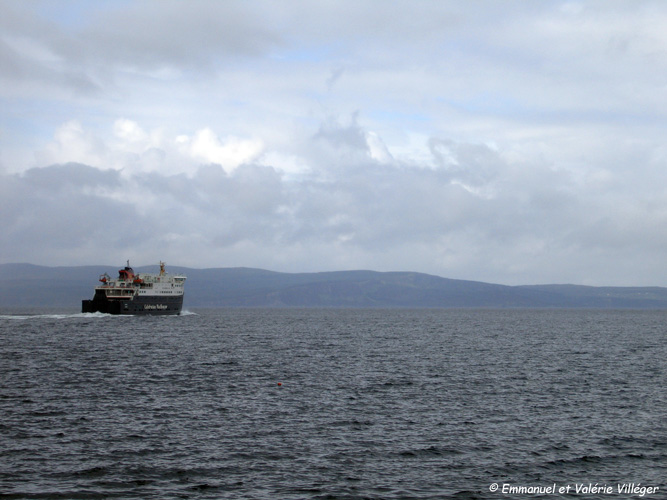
(18,317)
(95,315)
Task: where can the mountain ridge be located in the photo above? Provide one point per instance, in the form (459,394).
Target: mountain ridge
(31,285)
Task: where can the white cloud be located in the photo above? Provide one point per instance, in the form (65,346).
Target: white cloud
(71,143)
(230,152)
(130,132)
(377,149)
(129,147)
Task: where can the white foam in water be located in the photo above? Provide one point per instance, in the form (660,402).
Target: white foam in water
(17,317)
(54,316)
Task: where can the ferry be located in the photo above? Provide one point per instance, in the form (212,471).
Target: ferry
(142,293)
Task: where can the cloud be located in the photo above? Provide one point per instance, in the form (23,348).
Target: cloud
(73,144)
(178,34)
(500,141)
(350,209)
(51,212)
(207,147)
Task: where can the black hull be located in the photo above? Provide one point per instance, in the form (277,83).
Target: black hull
(151,305)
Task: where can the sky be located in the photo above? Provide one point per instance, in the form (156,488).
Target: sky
(511,142)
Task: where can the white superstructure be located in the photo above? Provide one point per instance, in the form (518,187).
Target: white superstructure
(132,293)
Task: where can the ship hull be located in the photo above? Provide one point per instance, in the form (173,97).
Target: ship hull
(139,305)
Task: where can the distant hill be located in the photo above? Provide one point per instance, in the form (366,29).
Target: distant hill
(27,285)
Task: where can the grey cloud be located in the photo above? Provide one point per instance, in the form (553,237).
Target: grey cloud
(51,212)
(340,137)
(35,50)
(16,68)
(12,65)
(140,37)
(184,34)
(71,175)
(473,164)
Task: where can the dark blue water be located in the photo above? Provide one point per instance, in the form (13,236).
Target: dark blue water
(333,404)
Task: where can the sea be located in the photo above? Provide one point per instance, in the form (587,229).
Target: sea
(334,404)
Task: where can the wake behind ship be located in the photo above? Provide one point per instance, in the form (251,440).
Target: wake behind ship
(143,293)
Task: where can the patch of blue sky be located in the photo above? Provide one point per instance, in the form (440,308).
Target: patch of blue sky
(399,118)
(489,103)
(33,116)
(74,13)
(38,119)
(26,134)
(503,105)
(390,115)
(309,54)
